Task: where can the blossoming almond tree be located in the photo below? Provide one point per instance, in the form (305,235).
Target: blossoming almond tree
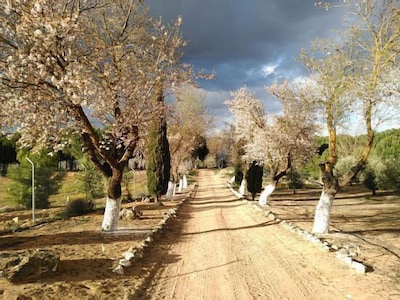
(83,65)
(278,141)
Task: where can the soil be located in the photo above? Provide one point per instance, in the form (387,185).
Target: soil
(217,247)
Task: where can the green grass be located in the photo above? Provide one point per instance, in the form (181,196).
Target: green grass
(134,183)
(68,190)
(5,199)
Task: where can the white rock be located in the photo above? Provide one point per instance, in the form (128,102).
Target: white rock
(315,240)
(353,254)
(128,255)
(119,269)
(340,255)
(359,267)
(326,248)
(125,262)
(348,260)
(335,247)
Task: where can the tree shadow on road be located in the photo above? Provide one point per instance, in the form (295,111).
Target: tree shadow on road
(264,224)
(158,255)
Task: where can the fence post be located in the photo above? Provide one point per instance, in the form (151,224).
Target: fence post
(33,189)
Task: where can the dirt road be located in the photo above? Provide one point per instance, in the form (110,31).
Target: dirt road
(217,247)
(222,248)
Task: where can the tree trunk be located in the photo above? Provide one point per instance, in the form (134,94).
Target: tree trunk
(185,183)
(253,196)
(180,188)
(170,191)
(113,202)
(111,214)
(323,212)
(274,179)
(242,188)
(268,190)
(330,189)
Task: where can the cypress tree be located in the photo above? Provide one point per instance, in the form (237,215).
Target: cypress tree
(158,155)
(238,169)
(200,150)
(8,153)
(254,179)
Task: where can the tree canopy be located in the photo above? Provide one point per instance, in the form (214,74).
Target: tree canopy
(356,73)
(275,140)
(83,65)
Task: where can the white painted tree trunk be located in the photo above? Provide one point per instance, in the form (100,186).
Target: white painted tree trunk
(185,182)
(242,188)
(111,215)
(268,190)
(170,190)
(232,180)
(180,185)
(323,213)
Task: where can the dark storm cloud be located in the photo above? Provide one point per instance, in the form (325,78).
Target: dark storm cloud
(250,43)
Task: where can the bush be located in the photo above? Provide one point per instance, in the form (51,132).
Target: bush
(382,174)
(344,165)
(388,175)
(78,207)
(368,179)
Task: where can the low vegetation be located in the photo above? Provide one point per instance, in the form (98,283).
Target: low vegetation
(71,197)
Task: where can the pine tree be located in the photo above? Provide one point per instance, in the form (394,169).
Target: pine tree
(294,180)
(47,180)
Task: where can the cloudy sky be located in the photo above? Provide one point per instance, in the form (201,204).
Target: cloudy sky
(251,42)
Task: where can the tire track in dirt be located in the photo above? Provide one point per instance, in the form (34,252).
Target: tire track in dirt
(257,251)
(228,250)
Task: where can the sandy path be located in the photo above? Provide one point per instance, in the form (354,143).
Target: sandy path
(227,250)
(217,247)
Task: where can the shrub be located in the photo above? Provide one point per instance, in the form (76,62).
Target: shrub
(382,174)
(294,180)
(388,176)
(78,207)
(368,179)
(343,165)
